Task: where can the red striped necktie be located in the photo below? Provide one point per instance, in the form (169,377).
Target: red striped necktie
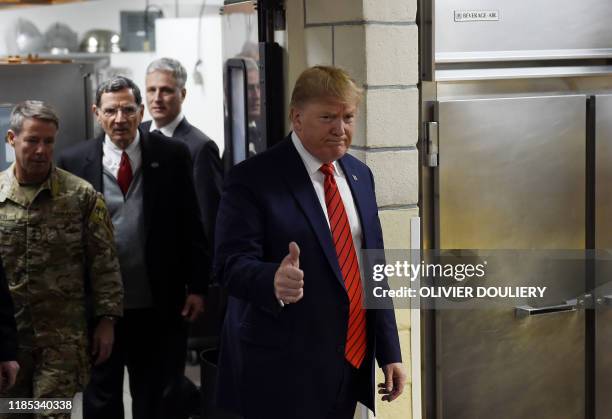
(124,175)
(355,348)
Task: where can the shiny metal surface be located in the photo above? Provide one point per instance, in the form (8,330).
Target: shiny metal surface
(432,144)
(603,171)
(525,30)
(507,56)
(453,74)
(66,87)
(492,365)
(427,94)
(100,41)
(525,311)
(603,240)
(603,362)
(514,142)
(425,25)
(508,180)
(470,89)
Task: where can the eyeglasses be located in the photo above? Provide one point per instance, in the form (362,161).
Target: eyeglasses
(127,111)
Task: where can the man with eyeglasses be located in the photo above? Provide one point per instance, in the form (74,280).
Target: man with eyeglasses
(164,258)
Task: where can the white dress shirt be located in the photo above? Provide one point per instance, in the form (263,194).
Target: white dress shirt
(317,178)
(111,158)
(168,130)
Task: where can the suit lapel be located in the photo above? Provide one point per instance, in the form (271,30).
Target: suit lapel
(301,187)
(150,177)
(359,196)
(92,169)
(146,126)
(182,129)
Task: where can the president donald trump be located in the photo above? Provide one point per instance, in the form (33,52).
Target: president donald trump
(297,341)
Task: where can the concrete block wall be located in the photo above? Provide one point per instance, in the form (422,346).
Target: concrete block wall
(377,42)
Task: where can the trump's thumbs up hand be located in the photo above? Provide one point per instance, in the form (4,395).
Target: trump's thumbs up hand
(289,278)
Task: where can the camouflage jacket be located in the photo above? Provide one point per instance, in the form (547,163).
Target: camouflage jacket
(49,247)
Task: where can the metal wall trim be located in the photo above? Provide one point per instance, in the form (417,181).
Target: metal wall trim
(553,54)
(521,72)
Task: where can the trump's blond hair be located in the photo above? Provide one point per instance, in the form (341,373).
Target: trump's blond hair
(324,83)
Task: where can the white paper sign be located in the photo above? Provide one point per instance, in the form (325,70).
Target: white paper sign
(476,15)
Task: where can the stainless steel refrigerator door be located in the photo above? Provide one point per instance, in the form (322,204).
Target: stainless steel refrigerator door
(511,175)
(603,242)
(502,30)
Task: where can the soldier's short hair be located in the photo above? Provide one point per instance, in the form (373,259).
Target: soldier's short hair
(172,66)
(324,82)
(116,84)
(31,109)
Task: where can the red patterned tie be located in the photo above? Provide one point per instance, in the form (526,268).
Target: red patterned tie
(349,266)
(124,176)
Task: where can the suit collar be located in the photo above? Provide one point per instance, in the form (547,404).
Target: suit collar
(11,189)
(146,125)
(169,130)
(183,128)
(95,149)
(150,168)
(111,158)
(92,170)
(312,163)
(359,195)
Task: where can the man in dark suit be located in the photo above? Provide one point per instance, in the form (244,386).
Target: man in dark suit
(297,342)
(8,336)
(147,184)
(165,93)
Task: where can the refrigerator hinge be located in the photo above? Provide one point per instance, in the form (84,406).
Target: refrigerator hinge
(431,135)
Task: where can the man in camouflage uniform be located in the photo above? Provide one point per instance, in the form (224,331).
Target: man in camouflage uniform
(55,232)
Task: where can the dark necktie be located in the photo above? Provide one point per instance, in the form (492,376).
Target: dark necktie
(124,176)
(355,348)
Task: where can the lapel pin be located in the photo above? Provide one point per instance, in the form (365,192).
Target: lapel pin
(355,178)
(155,165)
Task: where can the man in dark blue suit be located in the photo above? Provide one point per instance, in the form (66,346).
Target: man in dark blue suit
(165,93)
(297,342)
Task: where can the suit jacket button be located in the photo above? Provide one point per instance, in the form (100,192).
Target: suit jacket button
(340,349)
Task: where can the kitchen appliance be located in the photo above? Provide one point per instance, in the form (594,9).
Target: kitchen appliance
(60,39)
(23,37)
(516,153)
(100,41)
(65,85)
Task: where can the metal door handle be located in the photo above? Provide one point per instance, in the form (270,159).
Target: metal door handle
(605,300)
(527,310)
